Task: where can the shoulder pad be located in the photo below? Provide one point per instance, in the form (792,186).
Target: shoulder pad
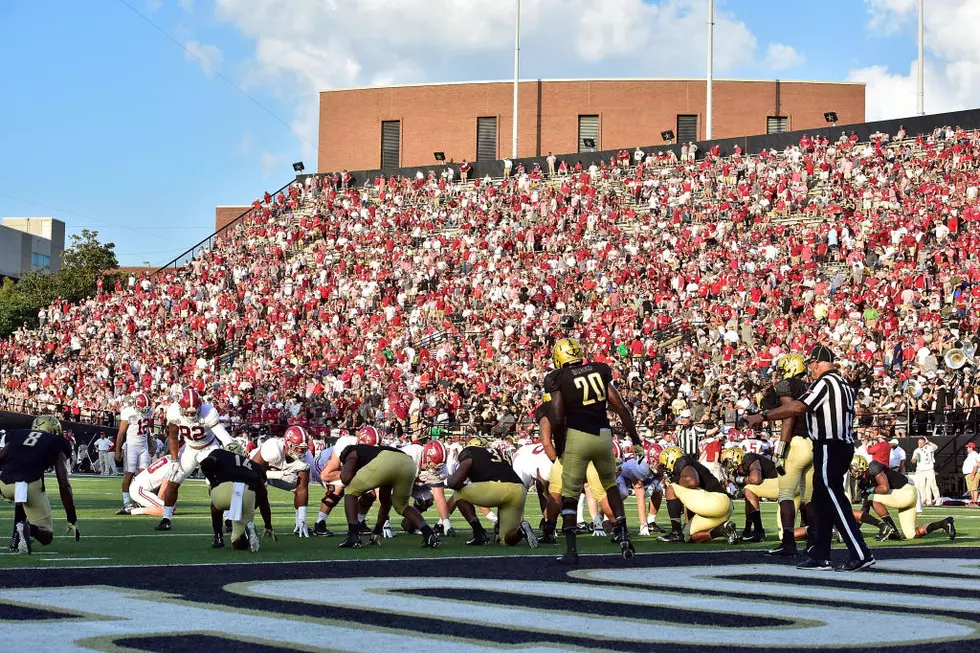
(551,380)
(783,388)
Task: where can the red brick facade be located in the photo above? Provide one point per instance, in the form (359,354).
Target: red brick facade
(443,117)
(225,214)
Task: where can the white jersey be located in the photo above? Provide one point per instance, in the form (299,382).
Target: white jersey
(754,445)
(139,423)
(273,452)
(199,431)
(415,453)
(153,476)
(342,443)
(531,463)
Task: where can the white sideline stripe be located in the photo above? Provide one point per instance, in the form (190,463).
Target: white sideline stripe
(53,559)
(433,558)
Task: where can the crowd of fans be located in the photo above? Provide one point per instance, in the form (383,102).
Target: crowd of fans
(417,303)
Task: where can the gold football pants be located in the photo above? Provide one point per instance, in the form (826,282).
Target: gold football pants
(902,500)
(388,469)
(798,479)
(710,508)
(37,508)
(769,489)
(581,449)
(591,475)
(508,498)
(221,499)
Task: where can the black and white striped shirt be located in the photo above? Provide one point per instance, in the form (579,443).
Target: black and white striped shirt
(687,439)
(830,409)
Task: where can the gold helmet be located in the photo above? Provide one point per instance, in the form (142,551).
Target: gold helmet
(47,424)
(566,352)
(732,458)
(669,458)
(476,442)
(791,365)
(235,446)
(859,464)
(546,397)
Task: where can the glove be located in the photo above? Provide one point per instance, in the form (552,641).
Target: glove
(639,452)
(644,530)
(386,530)
(301,529)
(291,477)
(297,466)
(598,532)
(271,534)
(73,531)
(374,540)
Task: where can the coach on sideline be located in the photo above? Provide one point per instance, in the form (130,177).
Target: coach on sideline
(829,407)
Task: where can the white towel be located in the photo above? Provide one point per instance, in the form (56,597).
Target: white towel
(20,492)
(235,510)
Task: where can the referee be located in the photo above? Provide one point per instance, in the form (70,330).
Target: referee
(829,407)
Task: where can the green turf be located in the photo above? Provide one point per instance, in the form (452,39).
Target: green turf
(131,540)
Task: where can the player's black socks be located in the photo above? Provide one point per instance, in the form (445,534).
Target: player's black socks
(426,531)
(478,529)
(20,514)
(936,525)
(620,527)
(674,509)
(787,512)
(888,520)
(353,530)
(571,546)
(757,521)
(717,531)
(870,520)
(550,527)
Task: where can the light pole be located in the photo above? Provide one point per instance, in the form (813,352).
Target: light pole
(922,66)
(711,39)
(517,71)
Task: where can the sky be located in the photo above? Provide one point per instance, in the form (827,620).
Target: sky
(136,118)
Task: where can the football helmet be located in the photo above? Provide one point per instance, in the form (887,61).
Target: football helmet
(791,365)
(476,442)
(141,402)
(617,450)
(47,424)
(669,458)
(235,447)
(731,459)
(369,435)
(546,397)
(190,403)
(859,465)
(567,351)
(653,454)
(433,454)
(297,441)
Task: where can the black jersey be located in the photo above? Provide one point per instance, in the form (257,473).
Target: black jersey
(365,453)
(896,481)
(542,411)
(794,388)
(222,466)
(28,453)
(768,466)
(584,389)
(488,465)
(706,480)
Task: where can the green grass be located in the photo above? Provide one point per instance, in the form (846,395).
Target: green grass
(131,540)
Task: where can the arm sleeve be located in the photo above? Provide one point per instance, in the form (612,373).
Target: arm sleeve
(222,434)
(816,396)
(551,381)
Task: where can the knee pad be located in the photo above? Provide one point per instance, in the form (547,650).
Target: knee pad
(569,506)
(330,500)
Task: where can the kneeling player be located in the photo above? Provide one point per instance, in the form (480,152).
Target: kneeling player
(885,489)
(392,473)
(23,458)
(641,474)
(237,485)
(492,484)
(692,486)
(148,485)
(287,461)
(757,476)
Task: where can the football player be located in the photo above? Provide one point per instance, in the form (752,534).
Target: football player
(434,468)
(197,423)
(330,478)
(330,497)
(533,467)
(392,472)
(693,487)
(23,458)
(135,421)
(756,475)
(147,487)
(580,394)
(237,485)
(286,461)
(483,477)
(642,476)
(792,453)
(886,488)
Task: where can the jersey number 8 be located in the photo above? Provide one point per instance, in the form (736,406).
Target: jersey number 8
(595,381)
(32,438)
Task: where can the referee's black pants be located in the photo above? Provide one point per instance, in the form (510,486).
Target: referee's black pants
(831,461)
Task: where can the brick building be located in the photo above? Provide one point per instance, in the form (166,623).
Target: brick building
(370,128)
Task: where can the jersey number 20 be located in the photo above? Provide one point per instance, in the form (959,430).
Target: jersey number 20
(594,381)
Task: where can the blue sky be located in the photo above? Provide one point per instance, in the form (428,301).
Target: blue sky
(108,124)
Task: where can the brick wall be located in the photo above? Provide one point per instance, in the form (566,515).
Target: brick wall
(443,117)
(225,214)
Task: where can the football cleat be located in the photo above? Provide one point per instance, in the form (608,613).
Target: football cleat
(218,542)
(570,558)
(671,537)
(756,536)
(731,533)
(528,533)
(583,528)
(253,537)
(451,532)
(125,510)
(23,538)
(320,529)
(364,529)
(783,551)
(479,539)
(626,548)
(856,565)
(811,564)
(548,538)
(432,541)
(227,525)
(950,528)
(655,527)
(885,532)
(351,543)
(164,525)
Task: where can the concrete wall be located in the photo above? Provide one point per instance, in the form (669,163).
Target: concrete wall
(20,237)
(631,112)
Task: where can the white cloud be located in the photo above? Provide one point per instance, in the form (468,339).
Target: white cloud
(208,56)
(271,163)
(780,57)
(186,5)
(952,59)
(304,47)
(245,145)
(153,5)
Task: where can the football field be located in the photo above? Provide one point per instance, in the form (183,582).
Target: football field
(124,587)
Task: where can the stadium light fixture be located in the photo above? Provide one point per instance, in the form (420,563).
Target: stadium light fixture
(667,135)
(440,156)
(831,117)
(298,167)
